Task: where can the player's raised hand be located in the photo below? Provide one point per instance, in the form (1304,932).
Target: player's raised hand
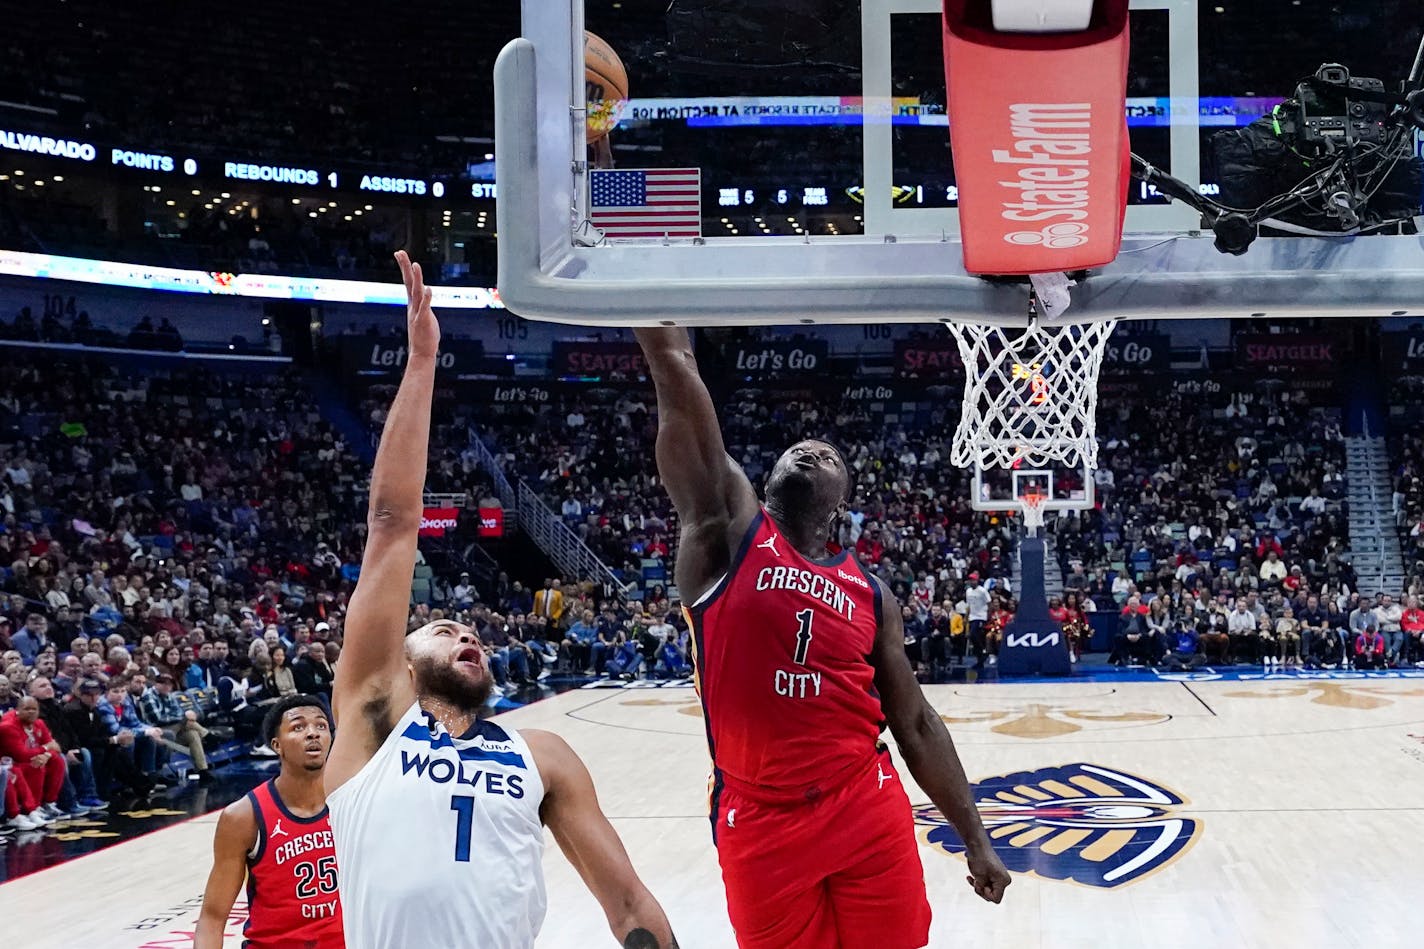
(422,329)
(987,874)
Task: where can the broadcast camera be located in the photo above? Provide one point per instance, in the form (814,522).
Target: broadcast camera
(1335,159)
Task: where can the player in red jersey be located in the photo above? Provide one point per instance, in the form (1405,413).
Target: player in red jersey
(278,839)
(800,661)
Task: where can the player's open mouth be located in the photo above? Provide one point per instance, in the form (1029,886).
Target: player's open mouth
(470,655)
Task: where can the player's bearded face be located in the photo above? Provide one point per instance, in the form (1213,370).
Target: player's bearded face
(452,671)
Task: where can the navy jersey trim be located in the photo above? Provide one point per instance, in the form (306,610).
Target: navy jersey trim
(700,647)
(715,811)
(875,591)
(834,560)
(712,595)
(254,856)
(282,806)
(485,729)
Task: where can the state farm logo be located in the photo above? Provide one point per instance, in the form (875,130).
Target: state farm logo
(1054,236)
(1051,184)
(858,581)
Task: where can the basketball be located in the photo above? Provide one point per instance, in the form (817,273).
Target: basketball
(606,82)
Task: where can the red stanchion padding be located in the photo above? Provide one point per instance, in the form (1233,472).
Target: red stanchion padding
(1039,135)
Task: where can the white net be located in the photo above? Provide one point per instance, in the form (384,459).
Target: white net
(1030,394)
(1033,513)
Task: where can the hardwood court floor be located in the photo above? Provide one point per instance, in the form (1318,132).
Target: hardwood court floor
(1276,812)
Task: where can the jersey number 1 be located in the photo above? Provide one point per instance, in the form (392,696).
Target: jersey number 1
(464,806)
(803,635)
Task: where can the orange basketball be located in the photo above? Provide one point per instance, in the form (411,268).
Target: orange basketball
(606,86)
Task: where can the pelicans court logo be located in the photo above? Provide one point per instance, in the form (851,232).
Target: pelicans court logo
(1079,823)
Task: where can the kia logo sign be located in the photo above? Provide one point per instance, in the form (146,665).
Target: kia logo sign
(436,521)
(1033,640)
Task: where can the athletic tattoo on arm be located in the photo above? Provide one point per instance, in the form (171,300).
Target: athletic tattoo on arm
(640,938)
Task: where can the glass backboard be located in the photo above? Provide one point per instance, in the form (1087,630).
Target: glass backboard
(825,184)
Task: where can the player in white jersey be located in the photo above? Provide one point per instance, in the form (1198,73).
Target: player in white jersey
(438,817)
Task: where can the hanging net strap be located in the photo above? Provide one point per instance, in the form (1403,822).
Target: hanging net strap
(1030,394)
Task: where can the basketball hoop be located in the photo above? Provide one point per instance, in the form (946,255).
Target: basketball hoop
(1032,511)
(1030,394)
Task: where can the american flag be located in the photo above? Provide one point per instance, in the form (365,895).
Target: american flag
(652,202)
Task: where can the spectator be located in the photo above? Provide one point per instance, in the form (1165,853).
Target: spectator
(281,681)
(1133,643)
(671,661)
(180,728)
(1389,615)
(1318,640)
(1411,621)
(80,794)
(1243,628)
(31,638)
(549,602)
(626,661)
(976,599)
(1288,639)
(110,752)
(1184,655)
(1215,638)
(577,646)
(314,674)
(464,593)
(1361,618)
(119,717)
(38,760)
(1369,649)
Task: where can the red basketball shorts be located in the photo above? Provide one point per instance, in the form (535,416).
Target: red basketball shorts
(841,872)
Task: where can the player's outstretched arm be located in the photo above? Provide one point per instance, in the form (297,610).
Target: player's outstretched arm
(372,685)
(590,843)
(714,500)
(236,833)
(928,750)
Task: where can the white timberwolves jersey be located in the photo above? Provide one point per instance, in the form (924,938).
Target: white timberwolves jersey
(439,840)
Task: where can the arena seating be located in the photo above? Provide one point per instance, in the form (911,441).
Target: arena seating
(1208,484)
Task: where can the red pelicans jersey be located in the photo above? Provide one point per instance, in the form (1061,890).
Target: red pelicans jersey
(291,879)
(783,671)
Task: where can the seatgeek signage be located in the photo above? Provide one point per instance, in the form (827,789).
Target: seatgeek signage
(238,169)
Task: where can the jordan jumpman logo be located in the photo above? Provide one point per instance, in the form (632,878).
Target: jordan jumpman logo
(881,776)
(277,830)
(770,544)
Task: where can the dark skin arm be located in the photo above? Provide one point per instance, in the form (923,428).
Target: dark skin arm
(928,750)
(714,500)
(236,835)
(570,810)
